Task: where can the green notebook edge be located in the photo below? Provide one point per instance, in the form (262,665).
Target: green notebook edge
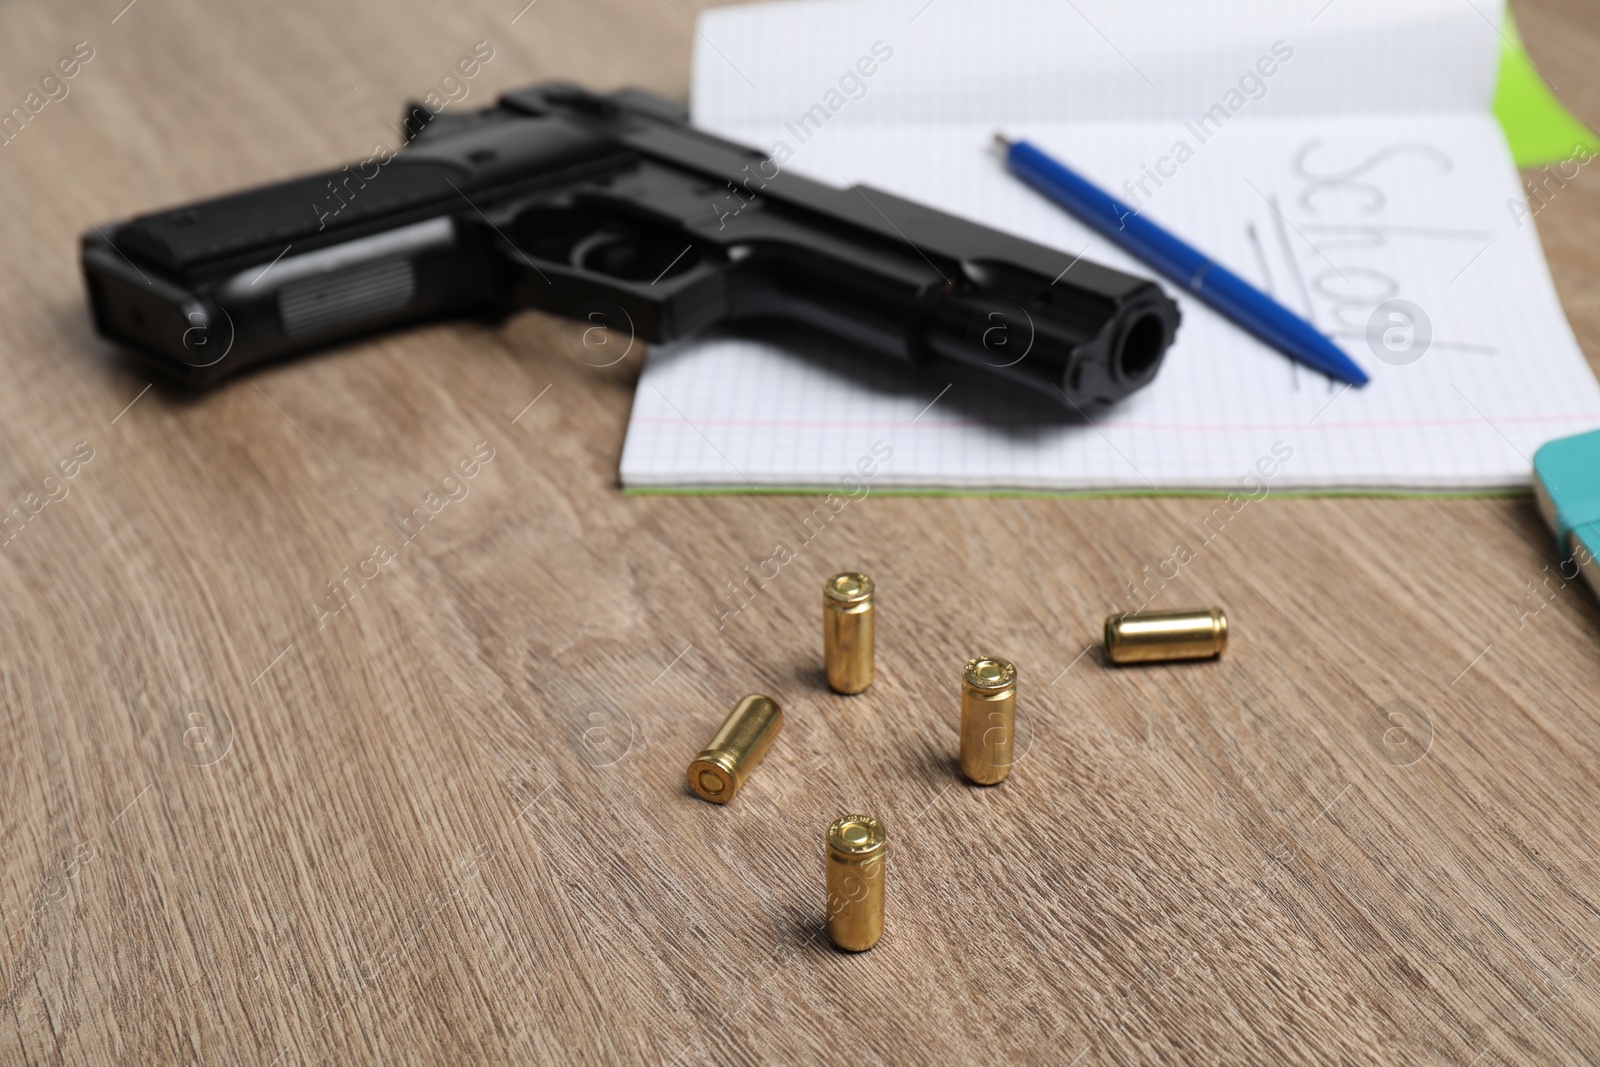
(1538,128)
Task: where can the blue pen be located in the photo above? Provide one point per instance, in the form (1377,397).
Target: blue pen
(1199,276)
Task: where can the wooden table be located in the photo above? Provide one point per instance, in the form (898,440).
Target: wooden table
(447,821)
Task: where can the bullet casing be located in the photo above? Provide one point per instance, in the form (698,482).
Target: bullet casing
(743,738)
(847,631)
(1153,636)
(855,859)
(988,719)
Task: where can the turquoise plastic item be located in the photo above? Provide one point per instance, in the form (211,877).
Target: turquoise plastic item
(1566,481)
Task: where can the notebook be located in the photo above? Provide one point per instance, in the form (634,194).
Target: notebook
(1339,154)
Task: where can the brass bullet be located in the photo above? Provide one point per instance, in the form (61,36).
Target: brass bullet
(988,719)
(847,615)
(740,742)
(1151,636)
(856,846)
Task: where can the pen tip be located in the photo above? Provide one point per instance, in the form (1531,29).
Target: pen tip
(1001,141)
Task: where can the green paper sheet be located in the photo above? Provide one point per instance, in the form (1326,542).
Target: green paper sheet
(1538,128)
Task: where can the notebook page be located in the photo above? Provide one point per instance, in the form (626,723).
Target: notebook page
(1420,214)
(760,67)
(1319,189)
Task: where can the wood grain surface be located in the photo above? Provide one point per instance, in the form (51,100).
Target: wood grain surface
(447,822)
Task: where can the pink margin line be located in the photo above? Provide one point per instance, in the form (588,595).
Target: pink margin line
(1166,427)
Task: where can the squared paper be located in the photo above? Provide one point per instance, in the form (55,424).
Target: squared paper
(1366,168)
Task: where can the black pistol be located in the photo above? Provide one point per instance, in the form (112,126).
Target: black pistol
(613,210)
